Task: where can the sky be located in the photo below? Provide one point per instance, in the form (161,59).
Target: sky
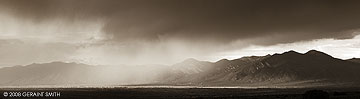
(113,32)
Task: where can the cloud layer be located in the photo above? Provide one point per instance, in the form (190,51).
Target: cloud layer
(172,30)
(200,19)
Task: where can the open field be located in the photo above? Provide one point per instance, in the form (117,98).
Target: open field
(176,93)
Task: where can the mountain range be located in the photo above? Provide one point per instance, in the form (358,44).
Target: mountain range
(75,74)
(313,68)
(289,68)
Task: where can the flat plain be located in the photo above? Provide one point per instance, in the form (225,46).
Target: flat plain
(185,93)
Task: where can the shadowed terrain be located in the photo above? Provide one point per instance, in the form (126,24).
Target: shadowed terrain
(194,93)
(289,69)
(290,75)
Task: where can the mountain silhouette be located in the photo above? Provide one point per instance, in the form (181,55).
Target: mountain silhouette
(75,74)
(357,60)
(291,66)
(313,68)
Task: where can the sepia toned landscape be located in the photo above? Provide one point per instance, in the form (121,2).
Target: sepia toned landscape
(247,49)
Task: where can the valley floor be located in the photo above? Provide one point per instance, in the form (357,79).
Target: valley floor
(180,93)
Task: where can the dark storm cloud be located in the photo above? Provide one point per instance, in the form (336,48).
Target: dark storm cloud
(219,21)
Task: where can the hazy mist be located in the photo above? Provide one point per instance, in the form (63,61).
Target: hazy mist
(113,32)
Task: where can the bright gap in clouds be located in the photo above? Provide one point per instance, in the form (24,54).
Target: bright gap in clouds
(171,52)
(338,48)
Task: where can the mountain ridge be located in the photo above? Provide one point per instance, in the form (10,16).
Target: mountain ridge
(289,68)
(357,60)
(285,67)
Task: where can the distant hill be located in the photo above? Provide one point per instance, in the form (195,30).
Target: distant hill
(73,74)
(285,68)
(357,60)
(290,68)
